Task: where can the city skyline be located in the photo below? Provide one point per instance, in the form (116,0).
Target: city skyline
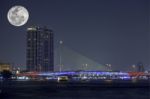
(114,32)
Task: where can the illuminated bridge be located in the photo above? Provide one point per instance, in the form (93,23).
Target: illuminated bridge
(85,75)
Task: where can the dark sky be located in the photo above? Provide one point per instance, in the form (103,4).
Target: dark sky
(107,31)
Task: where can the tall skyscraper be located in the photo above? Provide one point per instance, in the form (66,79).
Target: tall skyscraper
(40,55)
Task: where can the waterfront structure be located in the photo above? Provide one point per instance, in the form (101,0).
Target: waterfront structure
(40,55)
(5,66)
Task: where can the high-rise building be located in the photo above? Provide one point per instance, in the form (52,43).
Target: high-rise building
(40,55)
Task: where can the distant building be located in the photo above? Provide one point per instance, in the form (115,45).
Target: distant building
(40,55)
(5,66)
(140,67)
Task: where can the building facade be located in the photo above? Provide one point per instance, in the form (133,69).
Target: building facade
(5,66)
(40,55)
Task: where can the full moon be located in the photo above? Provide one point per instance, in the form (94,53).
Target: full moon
(18,15)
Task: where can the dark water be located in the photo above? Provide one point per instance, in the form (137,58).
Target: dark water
(26,90)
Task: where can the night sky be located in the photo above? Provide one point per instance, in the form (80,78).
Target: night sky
(106,31)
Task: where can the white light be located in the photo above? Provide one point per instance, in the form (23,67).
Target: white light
(60,42)
(31,29)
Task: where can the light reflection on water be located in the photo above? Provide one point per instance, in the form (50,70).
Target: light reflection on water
(25,90)
(104,93)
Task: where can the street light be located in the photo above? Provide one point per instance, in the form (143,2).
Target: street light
(60,57)
(85,66)
(134,67)
(109,67)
